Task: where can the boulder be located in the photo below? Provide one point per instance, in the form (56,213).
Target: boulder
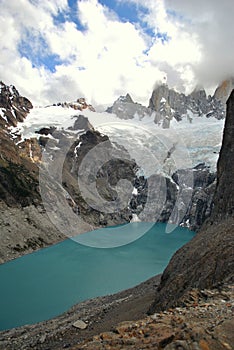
(80,324)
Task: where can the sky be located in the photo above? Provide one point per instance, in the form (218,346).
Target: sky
(60,50)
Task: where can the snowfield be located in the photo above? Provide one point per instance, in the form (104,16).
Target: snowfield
(156,150)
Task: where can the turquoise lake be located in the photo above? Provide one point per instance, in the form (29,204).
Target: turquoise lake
(46,283)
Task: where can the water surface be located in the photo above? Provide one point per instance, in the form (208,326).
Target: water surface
(46,283)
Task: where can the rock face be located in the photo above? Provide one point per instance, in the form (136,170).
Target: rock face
(125,108)
(224,196)
(209,258)
(13,107)
(224,89)
(170,104)
(81,123)
(190,213)
(201,203)
(117,166)
(24,225)
(18,175)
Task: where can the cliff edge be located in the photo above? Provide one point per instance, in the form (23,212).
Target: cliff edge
(207,260)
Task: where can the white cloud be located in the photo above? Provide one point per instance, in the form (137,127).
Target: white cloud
(103,61)
(108,57)
(211,21)
(202,33)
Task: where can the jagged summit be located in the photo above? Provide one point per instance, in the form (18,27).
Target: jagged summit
(224,89)
(170,104)
(198,93)
(13,107)
(125,108)
(166,104)
(126,98)
(80,104)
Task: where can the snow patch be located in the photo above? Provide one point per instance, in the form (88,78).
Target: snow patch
(135,218)
(135,192)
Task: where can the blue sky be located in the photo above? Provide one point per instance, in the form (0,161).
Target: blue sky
(99,49)
(126,12)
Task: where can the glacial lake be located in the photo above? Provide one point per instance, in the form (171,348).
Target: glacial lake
(46,283)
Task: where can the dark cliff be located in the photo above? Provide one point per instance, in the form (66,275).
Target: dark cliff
(224,194)
(14,107)
(208,259)
(18,171)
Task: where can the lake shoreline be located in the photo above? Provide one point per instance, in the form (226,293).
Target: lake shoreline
(101,314)
(42,285)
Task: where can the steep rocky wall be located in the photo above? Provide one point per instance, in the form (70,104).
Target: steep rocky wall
(168,103)
(224,195)
(13,107)
(224,89)
(208,259)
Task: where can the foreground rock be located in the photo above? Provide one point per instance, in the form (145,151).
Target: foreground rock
(205,322)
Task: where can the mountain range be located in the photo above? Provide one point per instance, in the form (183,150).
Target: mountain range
(187,170)
(166,104)
(42,151)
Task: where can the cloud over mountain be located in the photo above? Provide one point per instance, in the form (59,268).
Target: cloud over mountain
(100,49)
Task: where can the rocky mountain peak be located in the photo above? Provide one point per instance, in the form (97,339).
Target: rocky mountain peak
(159,93)
(81,123)
(126,99)
(125,108)
(224,89)
(166,104)
(80,104)
(13,107)
(178,105)
(198,93)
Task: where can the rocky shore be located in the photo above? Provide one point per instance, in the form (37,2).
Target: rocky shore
(202,321)
(100,315)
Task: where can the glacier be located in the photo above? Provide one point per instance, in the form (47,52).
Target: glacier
(184,144)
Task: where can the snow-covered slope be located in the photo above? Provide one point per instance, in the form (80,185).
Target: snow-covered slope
(186,143)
